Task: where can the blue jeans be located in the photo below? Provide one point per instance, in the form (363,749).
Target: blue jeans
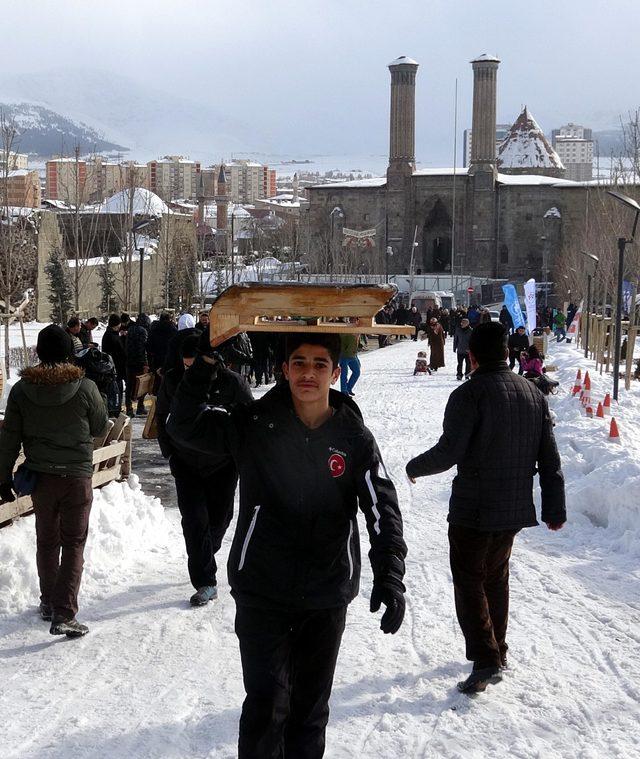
(346,386)
(560,334)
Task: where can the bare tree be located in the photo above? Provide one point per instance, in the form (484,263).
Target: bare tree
(17,233)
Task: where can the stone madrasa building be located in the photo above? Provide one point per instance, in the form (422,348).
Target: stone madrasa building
(505,216)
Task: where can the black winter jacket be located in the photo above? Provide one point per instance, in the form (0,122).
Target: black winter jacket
(160,335)
(296,544)
(518,343)
(496,429)
(136,348)
(461,339)
(113,344)
(227,391)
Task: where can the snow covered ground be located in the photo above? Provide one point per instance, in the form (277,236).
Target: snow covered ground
(155,678)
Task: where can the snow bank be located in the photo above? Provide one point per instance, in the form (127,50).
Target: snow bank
(125,523)
(602,476)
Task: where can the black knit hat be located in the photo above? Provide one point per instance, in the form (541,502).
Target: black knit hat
(189,346)
(54,345)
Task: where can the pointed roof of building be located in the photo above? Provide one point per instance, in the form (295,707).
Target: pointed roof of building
(526,147)
(222,177)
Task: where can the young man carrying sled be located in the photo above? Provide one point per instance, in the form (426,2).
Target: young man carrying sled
(306,461)
(497,430)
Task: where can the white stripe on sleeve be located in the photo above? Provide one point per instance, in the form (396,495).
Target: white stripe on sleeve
(374,502)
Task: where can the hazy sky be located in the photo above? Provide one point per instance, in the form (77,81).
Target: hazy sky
(314,74)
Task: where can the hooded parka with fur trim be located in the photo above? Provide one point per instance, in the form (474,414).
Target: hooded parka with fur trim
(54,411)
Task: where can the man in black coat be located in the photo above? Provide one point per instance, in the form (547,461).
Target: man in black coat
(518,342)
(497,430)
(205,485)
(137,360)
(306,462)
(161,333)
(113,344)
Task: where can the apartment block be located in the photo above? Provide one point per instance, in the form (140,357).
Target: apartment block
(173,177)
(20,188)
(17,161)
(66,180)
(574,144)
(248,181)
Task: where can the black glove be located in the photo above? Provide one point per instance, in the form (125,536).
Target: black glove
(6,492)
(392,597)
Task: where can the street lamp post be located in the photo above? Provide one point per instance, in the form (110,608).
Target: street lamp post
(622,244)
(592,262)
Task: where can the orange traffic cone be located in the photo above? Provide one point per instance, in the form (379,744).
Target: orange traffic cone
(577,385)
(587,382)
(589,412)
(614,435)
(600,412)
(606,406)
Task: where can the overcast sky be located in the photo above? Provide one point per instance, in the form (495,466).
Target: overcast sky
(314,74)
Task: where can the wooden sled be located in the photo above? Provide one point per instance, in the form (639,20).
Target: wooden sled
(261,307)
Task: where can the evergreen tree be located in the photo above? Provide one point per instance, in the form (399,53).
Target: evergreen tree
(60,288)
(107,286)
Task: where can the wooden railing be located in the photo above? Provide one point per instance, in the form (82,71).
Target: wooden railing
(111,461)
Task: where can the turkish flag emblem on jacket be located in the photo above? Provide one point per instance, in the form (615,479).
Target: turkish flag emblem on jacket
(336,465)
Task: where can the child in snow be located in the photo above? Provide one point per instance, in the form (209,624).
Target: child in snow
(422,366)
(531,362)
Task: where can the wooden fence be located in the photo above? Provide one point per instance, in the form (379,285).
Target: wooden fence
(111,461)
(602,342)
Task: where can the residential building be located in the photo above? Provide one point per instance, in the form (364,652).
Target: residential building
(174,177)
(20,188)
(16,161)
(66,180)
(247,181)
(574,144)
(502,130)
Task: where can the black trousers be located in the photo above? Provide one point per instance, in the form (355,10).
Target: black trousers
(480,570)
(206,507)
(463,357)
(288,662)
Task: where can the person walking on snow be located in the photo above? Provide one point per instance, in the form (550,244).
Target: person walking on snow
(349,362)
(518,342)
(498,431)
(461,347)
(414,320)
(306,462)
(54,412)
(205,485)
(436,338)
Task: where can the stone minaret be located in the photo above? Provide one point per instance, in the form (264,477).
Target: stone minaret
(402,160)
(481,254)
(222,202)
(402,126)
(296,189)
(222,210)
(483,134)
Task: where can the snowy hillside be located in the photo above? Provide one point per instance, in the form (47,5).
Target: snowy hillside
(157,679)
(43,132)
(147,120)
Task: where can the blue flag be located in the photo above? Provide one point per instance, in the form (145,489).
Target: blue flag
(513,305)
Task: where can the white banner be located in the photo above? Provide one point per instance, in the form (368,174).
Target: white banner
(530,303)
(359,233)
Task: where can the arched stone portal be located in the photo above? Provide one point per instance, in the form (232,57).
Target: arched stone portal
(436,239)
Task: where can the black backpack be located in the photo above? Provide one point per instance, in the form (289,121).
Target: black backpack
(99,367)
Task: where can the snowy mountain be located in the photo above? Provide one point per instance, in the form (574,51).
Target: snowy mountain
(44,132)
(148,120)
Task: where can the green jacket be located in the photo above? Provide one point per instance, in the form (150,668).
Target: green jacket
(54,412)
(348,345)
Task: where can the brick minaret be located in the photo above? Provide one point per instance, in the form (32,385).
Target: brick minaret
(222,202)
(402,157)
(483,134)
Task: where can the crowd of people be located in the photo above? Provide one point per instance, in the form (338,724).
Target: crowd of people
(306,463)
